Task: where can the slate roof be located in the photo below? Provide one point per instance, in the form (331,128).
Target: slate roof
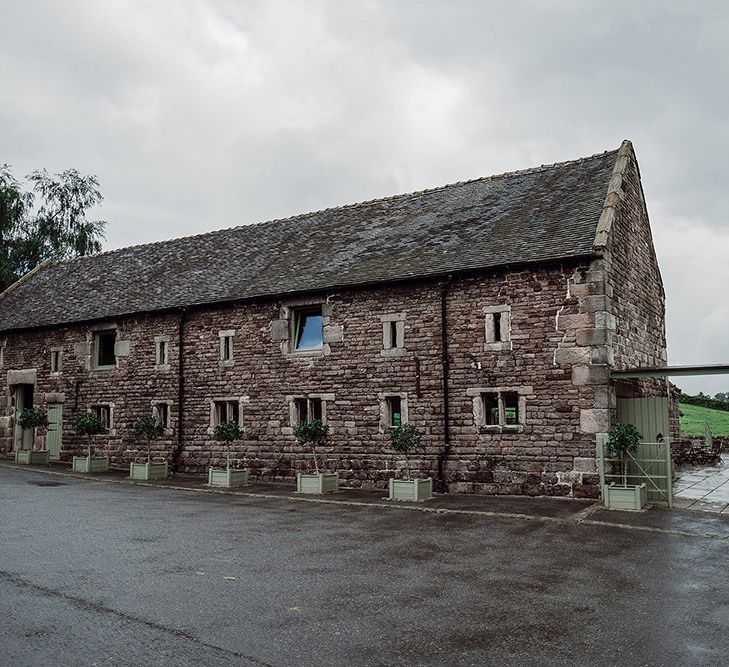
(535,215)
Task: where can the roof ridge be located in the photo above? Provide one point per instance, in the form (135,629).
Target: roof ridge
(344,207)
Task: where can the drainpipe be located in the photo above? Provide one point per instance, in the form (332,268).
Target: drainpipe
(440,485)
(180,390)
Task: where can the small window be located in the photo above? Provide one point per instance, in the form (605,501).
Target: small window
(226,411)
(498,328)
(2,354)
(490,409)
(56,361)
(104,343)
(103,414)
(394,411)
(511,408)
(392,342)
(500,408)
(308,409)
(162,353)
(226,347)
(308,332)
(161,412)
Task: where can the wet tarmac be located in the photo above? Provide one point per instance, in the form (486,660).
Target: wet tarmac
(98,573)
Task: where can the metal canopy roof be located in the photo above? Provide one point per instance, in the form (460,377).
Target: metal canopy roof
(671,371)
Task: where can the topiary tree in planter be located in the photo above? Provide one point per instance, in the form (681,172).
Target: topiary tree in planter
(147,429)
(622,440)
(313,434)
(31,418)
(404,439)
(227,432)
(88,425)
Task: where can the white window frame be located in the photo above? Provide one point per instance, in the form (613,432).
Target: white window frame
(491,344)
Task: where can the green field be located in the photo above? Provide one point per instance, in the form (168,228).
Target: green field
(692,421)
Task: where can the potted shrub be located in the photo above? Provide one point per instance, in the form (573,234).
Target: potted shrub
(405,438)
(147,429)
(623,439)
(227,432)
(32,418)
(88,425)
(314,434)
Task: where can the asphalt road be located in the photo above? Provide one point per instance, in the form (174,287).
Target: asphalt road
(108,574)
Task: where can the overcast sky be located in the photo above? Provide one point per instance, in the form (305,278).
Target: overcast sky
(202,115)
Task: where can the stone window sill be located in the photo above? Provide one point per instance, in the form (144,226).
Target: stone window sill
(500,346)
(162,368)
(394,352)
(502,429)
(229,363)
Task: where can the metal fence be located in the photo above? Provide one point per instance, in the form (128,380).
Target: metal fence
(651,463)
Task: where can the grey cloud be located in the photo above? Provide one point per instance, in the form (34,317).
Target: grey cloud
(204,115)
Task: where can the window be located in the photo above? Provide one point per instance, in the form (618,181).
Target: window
(2,354)
(103,413)
(393,334)
(226,411)
(226,348)
(161,412)
(307,409)
(394,411)
(104,343)
(500,409)
(497,328)
(308,331)
(56,361)
(162,353)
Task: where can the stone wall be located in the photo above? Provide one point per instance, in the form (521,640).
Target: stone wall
(555,358)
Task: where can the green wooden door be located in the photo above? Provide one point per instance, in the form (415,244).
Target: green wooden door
(55,430)
(652,462)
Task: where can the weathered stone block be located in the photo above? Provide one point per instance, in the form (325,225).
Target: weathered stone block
(280,330)
(572,355)
(594,420)
(585,464)
(593,337)
(334,333)
(591,374)
(595,303)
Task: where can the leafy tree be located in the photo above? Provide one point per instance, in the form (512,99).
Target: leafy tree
(405,438)
(228,432)
(314,434)
(88,424)
(622,440)
(147,429)
(47,221)
(31,418)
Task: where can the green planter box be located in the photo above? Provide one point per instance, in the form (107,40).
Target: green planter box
(630,497)
(31,457)
(148,470)
(324,482)
(90,464)
(411,489)
(227,476)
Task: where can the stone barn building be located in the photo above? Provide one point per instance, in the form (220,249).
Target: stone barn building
(488,313)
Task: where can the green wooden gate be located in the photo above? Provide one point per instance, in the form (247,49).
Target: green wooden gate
(55,430)
(652,462)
